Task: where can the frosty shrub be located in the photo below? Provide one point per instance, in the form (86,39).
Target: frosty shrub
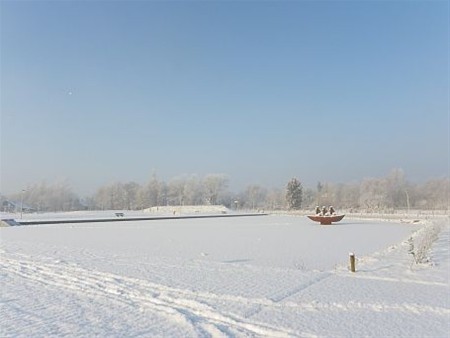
(420,244)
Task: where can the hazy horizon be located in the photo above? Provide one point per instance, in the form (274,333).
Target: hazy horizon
(99,92)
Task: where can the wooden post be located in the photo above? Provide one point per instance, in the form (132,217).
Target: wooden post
(352,262)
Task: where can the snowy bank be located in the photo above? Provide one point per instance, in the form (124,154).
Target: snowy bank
(188,209)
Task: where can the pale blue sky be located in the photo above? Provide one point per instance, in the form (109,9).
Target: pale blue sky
(96,92)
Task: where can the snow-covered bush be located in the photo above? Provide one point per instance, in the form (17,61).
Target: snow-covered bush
(420,243)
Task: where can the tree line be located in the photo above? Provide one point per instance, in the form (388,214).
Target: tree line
(383,194)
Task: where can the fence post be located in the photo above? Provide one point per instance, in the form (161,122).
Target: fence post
(352,262)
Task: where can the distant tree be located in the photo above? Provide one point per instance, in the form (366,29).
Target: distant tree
(117,196)
(347,196)
(294,194)
(397,189)
(275,199)
(435,194)
(57,196)
(101,198)
(213,186)
(309,198)
(385,194)
(254,196)
(193,191)
(152,194)
(131,190)
(176,190)
(372,194)
(88,203)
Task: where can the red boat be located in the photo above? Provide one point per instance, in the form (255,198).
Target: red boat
(326,220)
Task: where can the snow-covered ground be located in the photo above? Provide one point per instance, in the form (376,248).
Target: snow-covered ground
(269,276)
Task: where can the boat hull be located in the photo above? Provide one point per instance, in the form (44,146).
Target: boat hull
(326,220)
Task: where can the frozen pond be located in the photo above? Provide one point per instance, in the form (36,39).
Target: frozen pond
(267,276)
(275,241)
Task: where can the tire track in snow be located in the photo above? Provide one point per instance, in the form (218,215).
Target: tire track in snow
(202,317)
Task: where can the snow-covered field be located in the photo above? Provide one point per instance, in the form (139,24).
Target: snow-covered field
(269,276)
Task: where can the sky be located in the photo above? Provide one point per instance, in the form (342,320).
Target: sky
(332,91)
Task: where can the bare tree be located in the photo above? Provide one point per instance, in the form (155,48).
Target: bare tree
(213,186)
(435,194)
(113,197)
(396,190)
(309,198)
(176,190)
(373,194)
(151,194)
(255,196)
(347,196)
(131,190)
(57,196)
(193,191)
(276,199)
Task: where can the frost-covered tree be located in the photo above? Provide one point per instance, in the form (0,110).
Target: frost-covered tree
(151,194)
(276,199)
(213,186)
(294,194)
(396,189)
(254,196)
(193,191)
(176,191)
(347,196)
(388,193)
(56,196)
(373,194)
(131,190)
(434,194)
(309,198)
